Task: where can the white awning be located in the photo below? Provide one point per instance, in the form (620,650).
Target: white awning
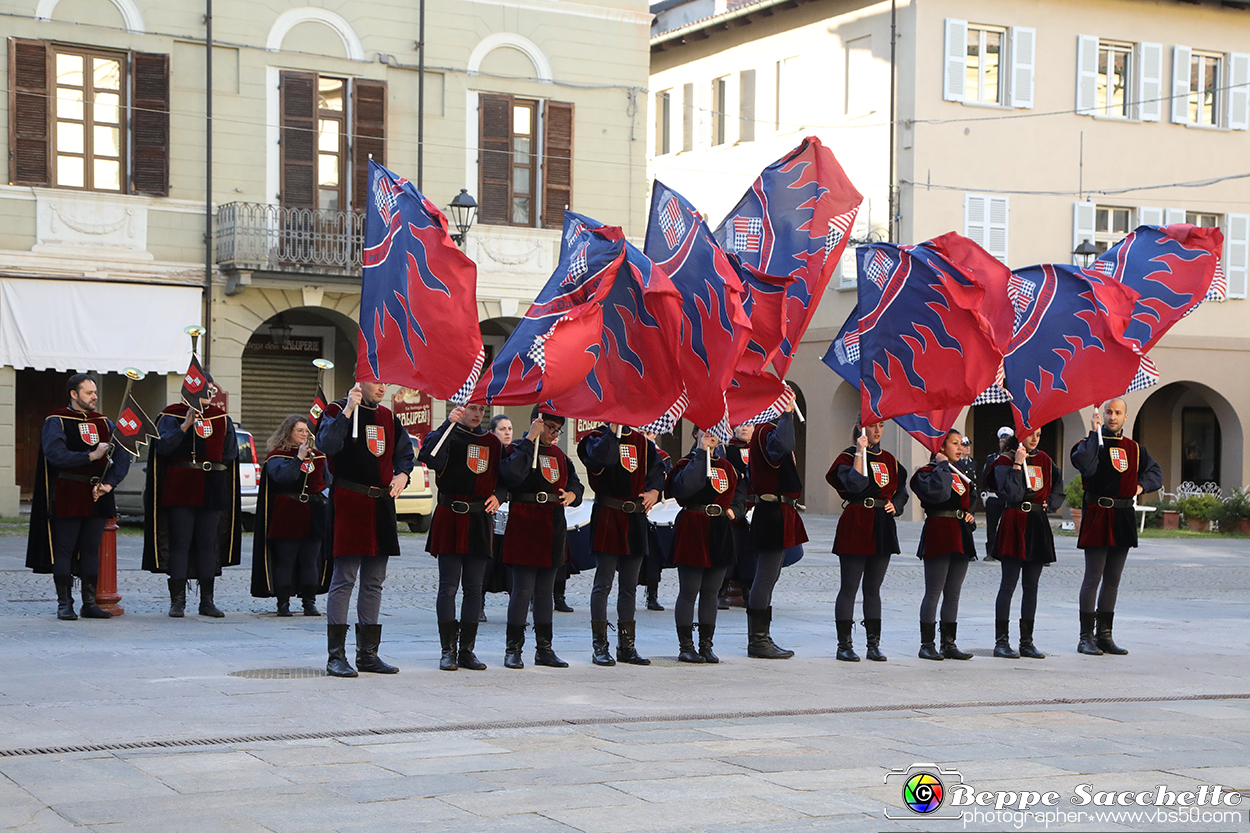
(95,325)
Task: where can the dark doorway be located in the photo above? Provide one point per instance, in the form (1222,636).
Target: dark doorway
(39,393)
(1200,446)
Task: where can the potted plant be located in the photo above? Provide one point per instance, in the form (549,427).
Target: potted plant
(1074,494)
(1199,510)
(1171,515)
(1236,512)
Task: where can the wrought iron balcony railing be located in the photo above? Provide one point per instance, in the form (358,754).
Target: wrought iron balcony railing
(271,238)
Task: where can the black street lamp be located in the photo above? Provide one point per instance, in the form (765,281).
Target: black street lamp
(280,331)
(1086,252)
(463,213)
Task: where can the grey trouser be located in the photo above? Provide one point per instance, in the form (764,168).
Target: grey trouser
(372,572)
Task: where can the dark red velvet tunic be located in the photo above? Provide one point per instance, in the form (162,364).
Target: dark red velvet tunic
(699,539)
(774,525)
(536,532)
(466,469)
(863,530)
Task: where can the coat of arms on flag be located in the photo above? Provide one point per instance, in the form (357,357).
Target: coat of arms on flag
(128,423)
(375,440)
(747,232)
(1119,459)
(957,483)
(719,479)
(88,432)
(629,457)
(550,468)
(672,223)
(204,428)
(878,270)
(1033,478)
(477,458)
(880,474)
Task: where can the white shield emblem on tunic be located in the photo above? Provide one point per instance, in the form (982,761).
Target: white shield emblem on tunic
(746,456)
(1119,459)
(308,467)
(204,428)
(478,458)
(957,483)
(629,458)
(1033,478)
(880,473)
(88,432)
(375,439)
(720,480)
(550,468)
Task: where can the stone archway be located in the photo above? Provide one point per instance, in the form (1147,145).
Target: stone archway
(1192,431)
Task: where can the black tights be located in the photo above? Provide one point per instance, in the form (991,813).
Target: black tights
(868,570)
(452,571)
(536,583)
(1103,565)
(703,582)
(1012,568)
(943,578)
(767,571)
(626,593)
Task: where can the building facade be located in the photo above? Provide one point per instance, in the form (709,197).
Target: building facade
(112,238)
(1029,127)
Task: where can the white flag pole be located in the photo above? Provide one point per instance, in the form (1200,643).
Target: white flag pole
(1099,408)
(863,432)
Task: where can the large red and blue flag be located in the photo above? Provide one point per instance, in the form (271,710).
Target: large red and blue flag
(924,343)
(418,295)
(794,221)
(1069,350)
(756,394)
(597,342)
(714,326)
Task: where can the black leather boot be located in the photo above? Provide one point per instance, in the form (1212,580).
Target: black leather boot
(846,650)
(177,597)
(284,606)
(65,598)
(310,604)
(872,627)
(759,642)
(447,632)
(91,610)
(1026,641)
(927,631)
(543,652)
(949,649)
(625,649)
(706,631)
(653,601)
(207,608)
(514,644)
(468,641)
(1086,644)
(599,642)
(562,606)
(1102,633)
(685,645)
(1002,640)
(368,638)
(337,665)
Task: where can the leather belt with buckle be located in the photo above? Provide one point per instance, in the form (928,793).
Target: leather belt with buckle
(537,497)
(867,503)
(786,499)
(629,507)
(943,513)
(79,478)
(1113,502)
(1028,506)
(712,510)
(204,466)
(463,507)
(374,492)
(302,497)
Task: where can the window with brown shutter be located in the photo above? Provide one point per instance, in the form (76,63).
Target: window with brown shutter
(149,124)
(298,138)
(495,159)
(368,134)
(28,112)
(557,162)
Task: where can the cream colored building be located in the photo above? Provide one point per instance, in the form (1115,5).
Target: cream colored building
(1028,126)
(529,106)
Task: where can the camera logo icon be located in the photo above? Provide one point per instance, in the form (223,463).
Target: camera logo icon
(923,788)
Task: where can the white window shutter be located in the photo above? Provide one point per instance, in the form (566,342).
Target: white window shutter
(1149,216)
(1023,61)
(847,266)
(1086,74)
(1082,226)
(1237,254)
(997,228)
(1150,81)
(1180,84)
(1172,216)
(976,219)
(1239,91)
(955,77)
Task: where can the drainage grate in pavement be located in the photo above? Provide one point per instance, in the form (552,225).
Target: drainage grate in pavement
(606,720)
(280,673)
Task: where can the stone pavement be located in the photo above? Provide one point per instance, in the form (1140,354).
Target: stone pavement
(748,745)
